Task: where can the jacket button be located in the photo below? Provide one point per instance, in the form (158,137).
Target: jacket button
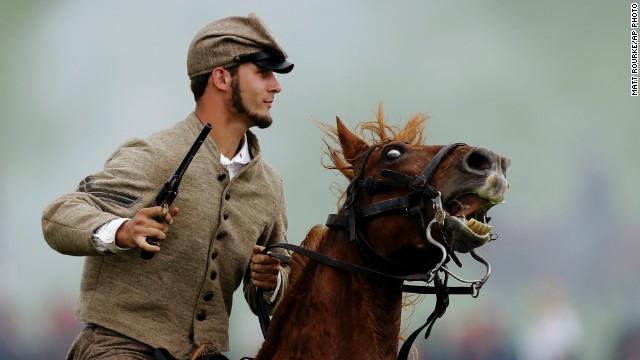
(201,315)
(214,254)
(221,235)
(227,196)
(213,275)
(208,296)
(225,215)
(222,176)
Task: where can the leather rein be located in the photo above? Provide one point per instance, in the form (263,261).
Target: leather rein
(385,267)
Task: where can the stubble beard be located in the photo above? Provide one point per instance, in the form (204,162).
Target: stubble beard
(261,121)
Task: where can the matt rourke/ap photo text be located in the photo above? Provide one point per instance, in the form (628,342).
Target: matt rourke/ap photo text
(634,49)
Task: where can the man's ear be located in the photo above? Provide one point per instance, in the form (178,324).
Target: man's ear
(220,78)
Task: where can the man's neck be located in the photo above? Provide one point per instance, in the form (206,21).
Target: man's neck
(227,132)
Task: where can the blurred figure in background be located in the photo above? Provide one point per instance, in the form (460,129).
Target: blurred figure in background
(480,335)
(628,345)
(483,337)
(8,338)
(555,331)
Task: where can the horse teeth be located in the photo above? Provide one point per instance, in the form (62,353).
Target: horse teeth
(478,227)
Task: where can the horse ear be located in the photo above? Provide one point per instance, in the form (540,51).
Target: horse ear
(352,146)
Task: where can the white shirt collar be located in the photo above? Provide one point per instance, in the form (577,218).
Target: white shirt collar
(242,157)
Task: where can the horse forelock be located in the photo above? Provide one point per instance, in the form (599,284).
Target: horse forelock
(372,132)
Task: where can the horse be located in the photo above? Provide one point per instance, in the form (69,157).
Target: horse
(345,292)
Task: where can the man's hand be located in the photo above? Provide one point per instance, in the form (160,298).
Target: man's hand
(264,269)
(134,233)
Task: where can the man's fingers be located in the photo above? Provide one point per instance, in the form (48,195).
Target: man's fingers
(268,286)
(152,212)
(148,238)
(262,268)
(265,281)
(262,285)
(148,223)
(169,216)
(159,214)
(264,260)
(264,276)
(144,245)
(257,249)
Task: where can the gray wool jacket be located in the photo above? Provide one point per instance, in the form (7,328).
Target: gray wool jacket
(182,297)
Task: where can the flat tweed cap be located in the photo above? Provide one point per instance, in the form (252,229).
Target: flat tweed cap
(222,42)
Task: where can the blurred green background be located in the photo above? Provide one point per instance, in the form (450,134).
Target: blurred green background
(545,83)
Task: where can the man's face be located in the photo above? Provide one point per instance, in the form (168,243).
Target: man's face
(253,90)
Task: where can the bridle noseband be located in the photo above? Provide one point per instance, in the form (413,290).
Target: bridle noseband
(382,265)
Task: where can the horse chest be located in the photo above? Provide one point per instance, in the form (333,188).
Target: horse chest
(340,315)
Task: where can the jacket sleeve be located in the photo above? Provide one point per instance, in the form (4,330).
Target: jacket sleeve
(274,234)
(125,185)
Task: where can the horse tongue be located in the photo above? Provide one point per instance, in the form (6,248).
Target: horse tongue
(465,205)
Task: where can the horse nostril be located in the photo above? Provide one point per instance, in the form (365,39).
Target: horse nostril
(480,159)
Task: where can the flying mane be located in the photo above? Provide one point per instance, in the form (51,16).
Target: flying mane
(376,131)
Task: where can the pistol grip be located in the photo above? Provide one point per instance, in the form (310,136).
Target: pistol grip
(147,255)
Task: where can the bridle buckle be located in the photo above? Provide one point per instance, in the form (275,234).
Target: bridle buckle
(418,183)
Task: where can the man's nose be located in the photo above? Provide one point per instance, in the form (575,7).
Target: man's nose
(275,85)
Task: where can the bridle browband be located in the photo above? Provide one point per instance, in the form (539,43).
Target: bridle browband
(383,266)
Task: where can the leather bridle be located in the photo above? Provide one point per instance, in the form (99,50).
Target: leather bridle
(383,266)
(419,184)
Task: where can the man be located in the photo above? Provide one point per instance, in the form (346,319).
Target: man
(230,204)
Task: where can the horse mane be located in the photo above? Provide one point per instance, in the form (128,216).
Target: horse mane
(312,241)
(372,132)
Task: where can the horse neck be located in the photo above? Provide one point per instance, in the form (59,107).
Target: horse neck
(327,311)
(370,296)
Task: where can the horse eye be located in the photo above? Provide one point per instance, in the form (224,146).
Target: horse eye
(392,154)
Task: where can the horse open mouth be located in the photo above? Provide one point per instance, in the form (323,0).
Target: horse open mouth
(466,226)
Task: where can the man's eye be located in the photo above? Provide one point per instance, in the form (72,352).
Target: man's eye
(392,154)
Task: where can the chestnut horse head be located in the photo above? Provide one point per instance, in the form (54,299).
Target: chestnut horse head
(397,165)
(407,208)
